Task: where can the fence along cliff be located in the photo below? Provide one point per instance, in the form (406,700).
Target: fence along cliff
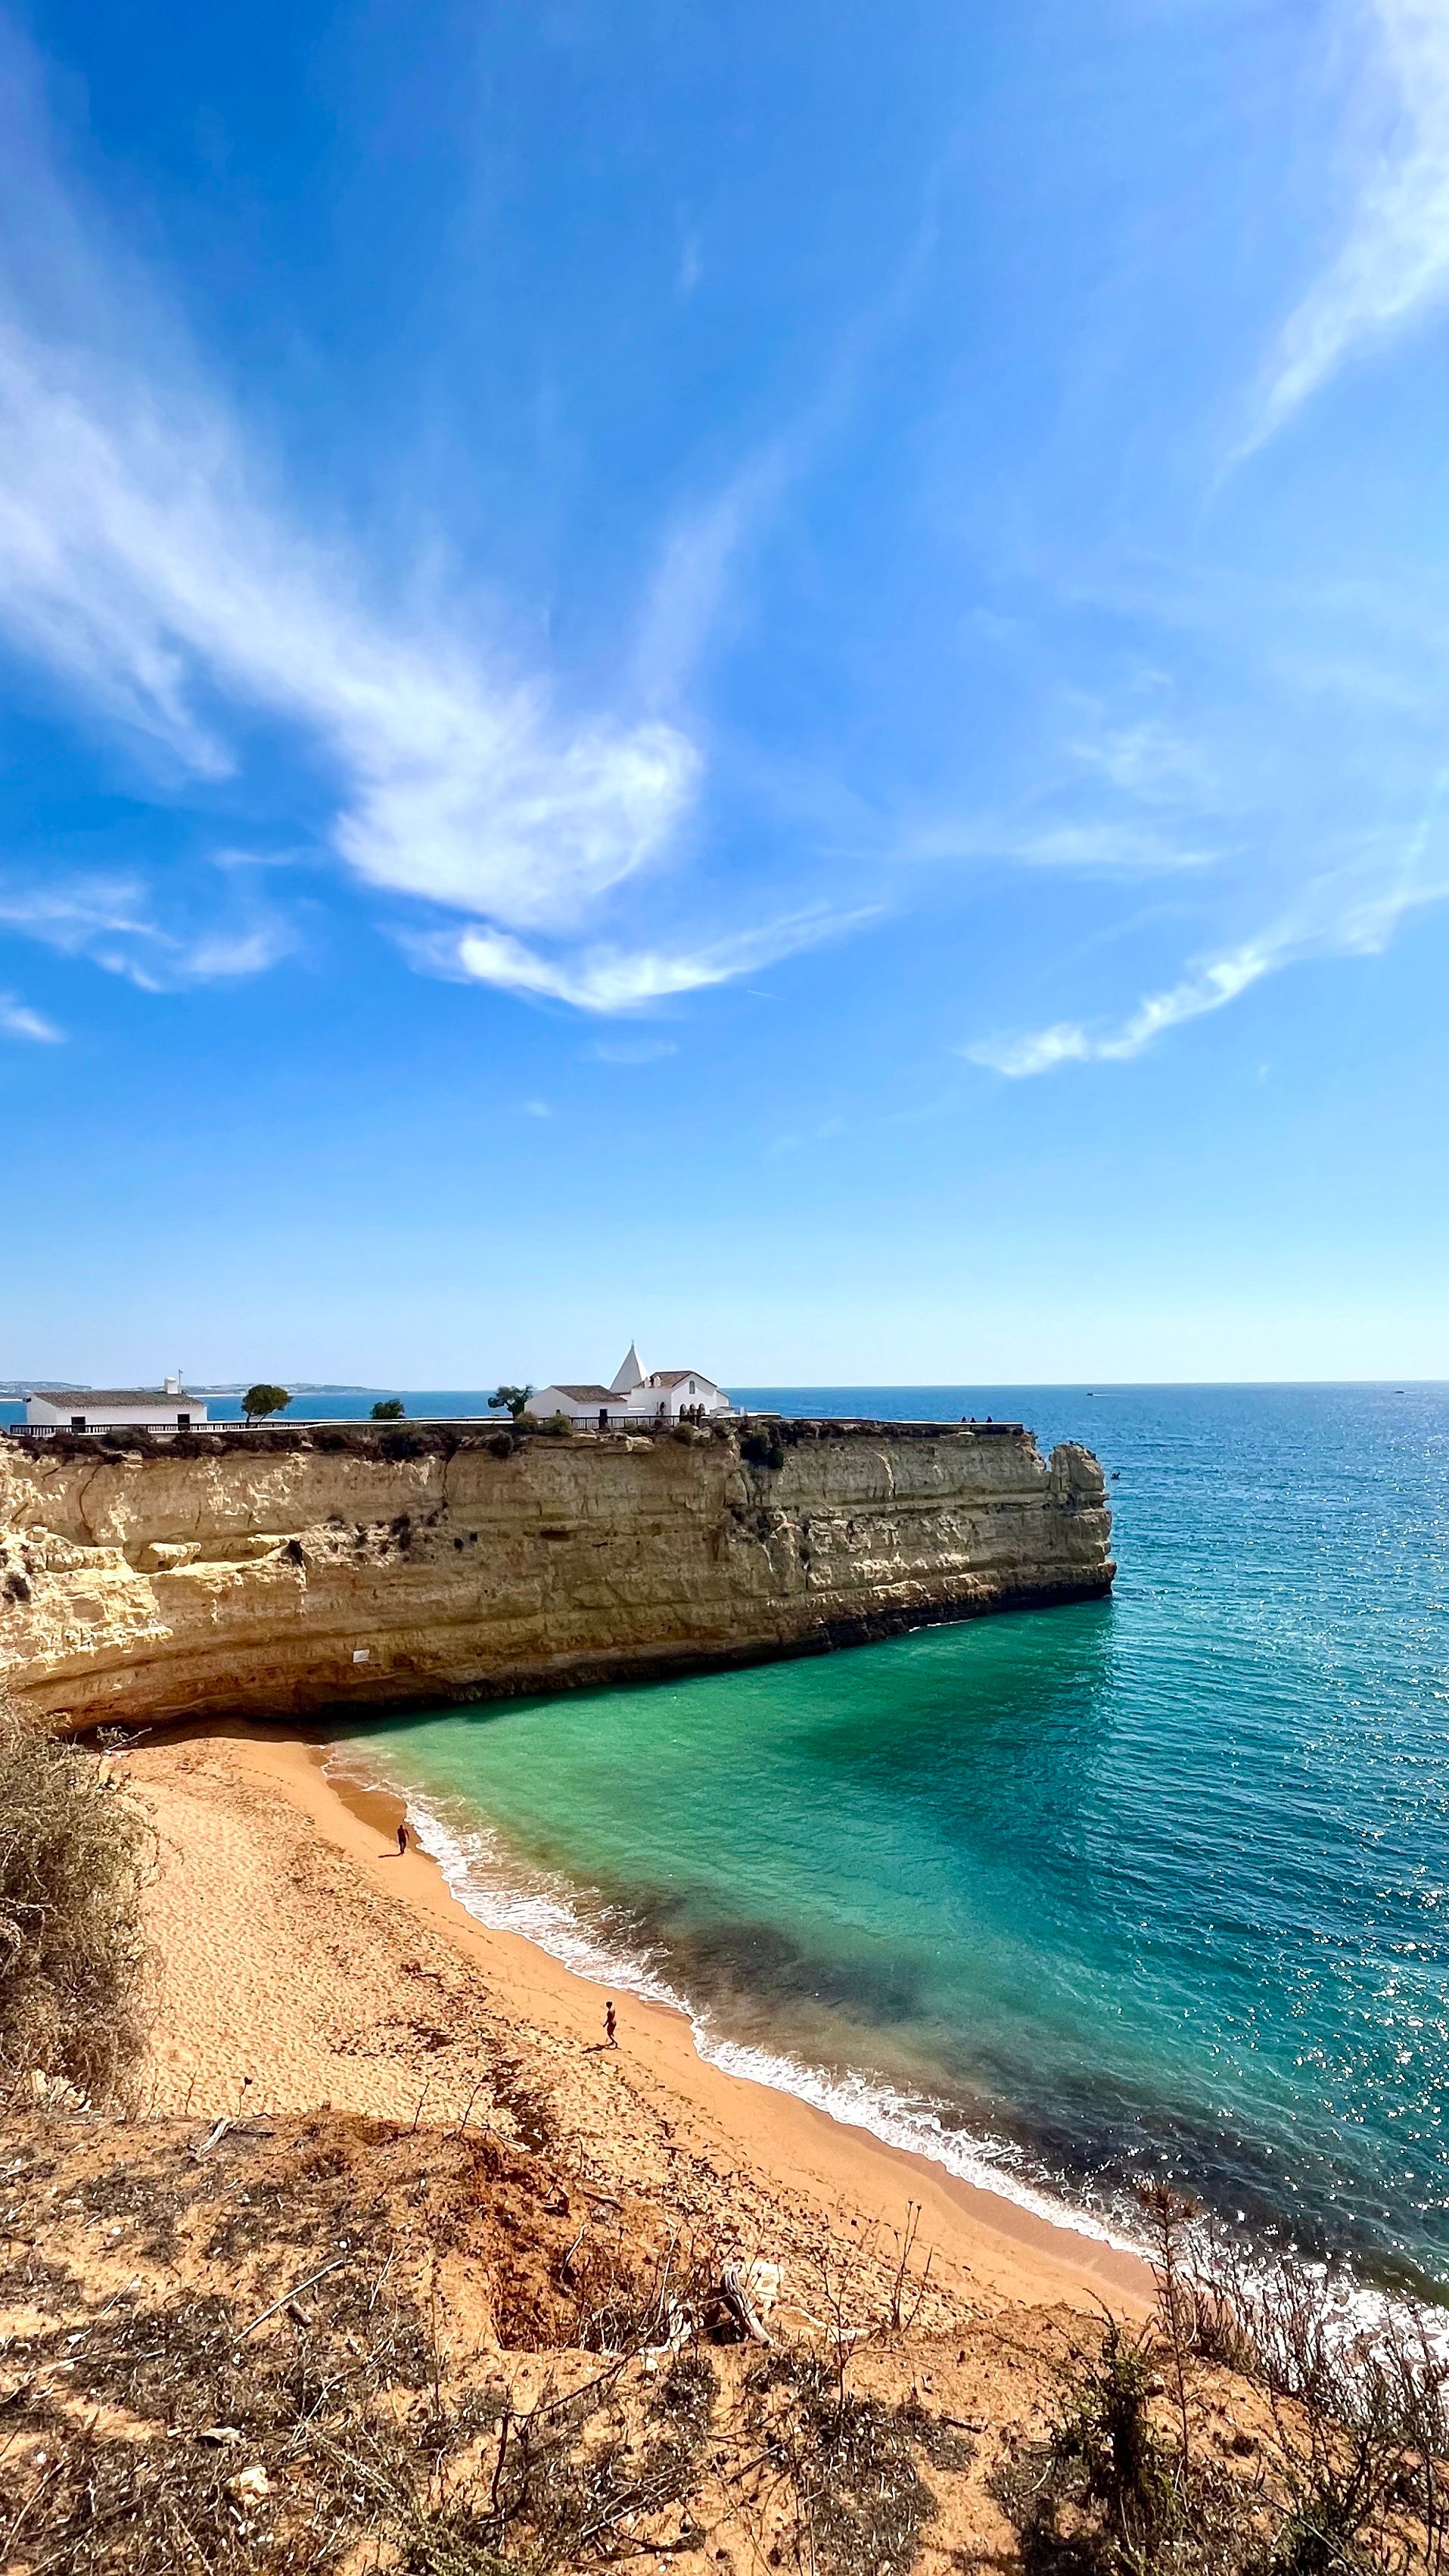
(271,1573)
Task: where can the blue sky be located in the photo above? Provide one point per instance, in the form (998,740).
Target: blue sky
(774,679)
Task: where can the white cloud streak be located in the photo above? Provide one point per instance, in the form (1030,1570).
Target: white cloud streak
(698,562)
(1143,817)
(1395,260)
(1336,922)
(17,1021)
(1107,848)
(1212,985)
(1098,846)
(1149,761)
(138,563)
(108,921)
(613,980)
(151,569)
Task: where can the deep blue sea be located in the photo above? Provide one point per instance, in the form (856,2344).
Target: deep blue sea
(1070,1897)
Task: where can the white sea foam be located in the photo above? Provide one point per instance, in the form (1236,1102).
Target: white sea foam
(500,1890)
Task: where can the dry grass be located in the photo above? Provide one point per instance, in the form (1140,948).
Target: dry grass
(71,1950)
(335,2343)
(1344,2475)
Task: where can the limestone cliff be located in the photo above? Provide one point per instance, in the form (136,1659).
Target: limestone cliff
(286,1571)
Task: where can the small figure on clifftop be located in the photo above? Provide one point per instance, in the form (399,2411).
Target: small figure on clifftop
(611,2024)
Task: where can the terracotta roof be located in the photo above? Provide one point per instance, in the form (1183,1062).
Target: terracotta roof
(584,1394)
(89,1399)
(671,1377)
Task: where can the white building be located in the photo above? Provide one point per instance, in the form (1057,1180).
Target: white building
(116,1408)
(634,1399)
(594,1406)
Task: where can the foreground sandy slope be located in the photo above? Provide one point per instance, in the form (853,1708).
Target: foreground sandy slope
(396,2266)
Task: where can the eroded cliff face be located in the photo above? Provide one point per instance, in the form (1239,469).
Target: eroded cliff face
(272,1577)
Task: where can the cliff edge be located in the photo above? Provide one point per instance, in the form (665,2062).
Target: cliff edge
(269,1573)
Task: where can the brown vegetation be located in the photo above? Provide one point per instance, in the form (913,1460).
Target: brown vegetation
(71,1951)
(337,2342)
(1334,2463)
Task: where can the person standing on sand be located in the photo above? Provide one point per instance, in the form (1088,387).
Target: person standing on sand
(611,2023)
(402,1841)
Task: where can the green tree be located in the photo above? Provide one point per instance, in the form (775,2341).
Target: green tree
(260,1400)
(389,1409)
(510,1399)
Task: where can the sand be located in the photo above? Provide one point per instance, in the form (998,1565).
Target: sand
(301,1961)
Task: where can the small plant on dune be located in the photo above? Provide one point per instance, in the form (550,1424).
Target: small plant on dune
(1355,2462)
(71,1948)
(847,2463)
(1344,2470)
(1101,2491)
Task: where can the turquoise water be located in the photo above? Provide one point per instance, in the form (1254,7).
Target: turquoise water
(1155,1885)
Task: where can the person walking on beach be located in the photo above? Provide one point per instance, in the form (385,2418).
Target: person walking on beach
(402,1841)
(611,2024)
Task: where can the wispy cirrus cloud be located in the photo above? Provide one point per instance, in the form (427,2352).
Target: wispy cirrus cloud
(1111,799)
(1100,846)
(699,559)
(17,1020)
(112,922)
(1353,918)
(223,956)
(153,568)
(1153,762)
(606,980)
(697,574)
(1394,261)
(142,566)
(1218,981)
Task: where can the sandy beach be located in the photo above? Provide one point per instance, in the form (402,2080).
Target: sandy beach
(392,2247)
(302,1961)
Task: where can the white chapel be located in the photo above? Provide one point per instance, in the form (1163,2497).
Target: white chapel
(634,1397)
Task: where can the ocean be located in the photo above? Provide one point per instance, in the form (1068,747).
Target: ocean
(1156,1886)
(1073,1898)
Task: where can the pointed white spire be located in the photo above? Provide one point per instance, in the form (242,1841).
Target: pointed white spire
(628,1374)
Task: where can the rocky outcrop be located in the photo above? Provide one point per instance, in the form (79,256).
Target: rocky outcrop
(277,1573)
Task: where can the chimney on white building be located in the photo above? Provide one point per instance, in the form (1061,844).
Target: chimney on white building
(173,1384)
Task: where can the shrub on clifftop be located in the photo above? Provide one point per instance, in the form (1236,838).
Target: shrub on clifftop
(71,1949)
(262,1399)
(510,1399)
(762,1449)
